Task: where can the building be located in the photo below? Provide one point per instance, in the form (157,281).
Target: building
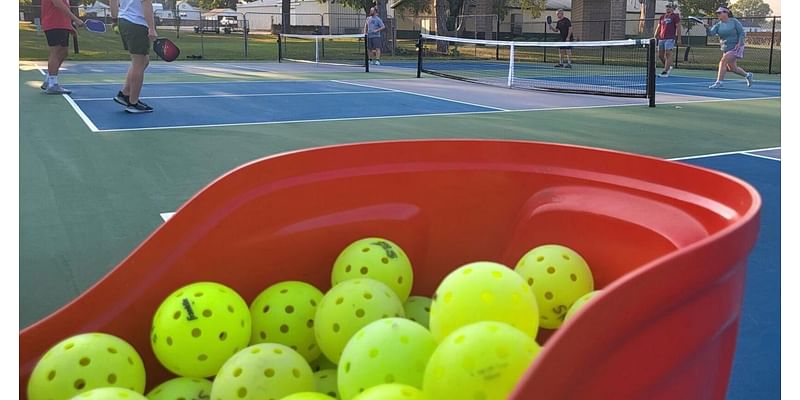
(307,16)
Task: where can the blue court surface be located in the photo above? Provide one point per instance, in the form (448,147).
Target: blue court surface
(241,103)
(195,104)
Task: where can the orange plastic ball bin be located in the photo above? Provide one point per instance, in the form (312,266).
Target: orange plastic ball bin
(667,243)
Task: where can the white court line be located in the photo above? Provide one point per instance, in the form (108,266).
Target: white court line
(422,95)
(200,83)
(246,95)
(84,117)
(166,215)
(291,122)
(727,153)
(418,115)
(760,156)
(246,68)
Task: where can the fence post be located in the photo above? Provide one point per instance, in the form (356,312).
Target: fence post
(246,29)
(604,38)
(772,45)
(545,39)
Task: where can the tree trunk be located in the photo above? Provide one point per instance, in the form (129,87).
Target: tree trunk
(286,20)
(441,24)
(386,35)
(647,15)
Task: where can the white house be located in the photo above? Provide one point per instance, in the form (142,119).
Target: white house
(188,12)
(98,9)
(262,14)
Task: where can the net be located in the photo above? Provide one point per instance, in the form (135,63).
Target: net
(615,68)
(324,49)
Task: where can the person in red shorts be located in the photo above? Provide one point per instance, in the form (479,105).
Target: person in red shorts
(57,22)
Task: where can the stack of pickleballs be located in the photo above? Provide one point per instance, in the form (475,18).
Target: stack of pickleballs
(367,338)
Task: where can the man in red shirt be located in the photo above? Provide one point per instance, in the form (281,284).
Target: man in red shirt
(668,32)
(57,25)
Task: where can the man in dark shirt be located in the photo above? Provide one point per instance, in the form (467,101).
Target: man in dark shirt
(564,28)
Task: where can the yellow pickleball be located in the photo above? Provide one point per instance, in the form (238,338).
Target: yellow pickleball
(484,360)
(198,327)
(558,276)
(284,313)
(84,362)
(483,291)
(375,258)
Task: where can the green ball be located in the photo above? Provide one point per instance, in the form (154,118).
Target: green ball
(326,382)
(84,362)
(321,363)
(348,307)
(391,350)
(109,393)
(391,391)
(483,291)
(198,327)
(418,309)
(284,313)
(558,276)
(484,360)
(263,371)
(308,396)
(375,258)
(579,303)
(181,388)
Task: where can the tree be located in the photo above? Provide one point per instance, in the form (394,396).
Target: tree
(698,8)
(415,7)
(751,8)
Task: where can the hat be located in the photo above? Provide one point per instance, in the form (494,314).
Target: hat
(723,9)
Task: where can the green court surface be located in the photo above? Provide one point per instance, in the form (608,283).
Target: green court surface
(87,199)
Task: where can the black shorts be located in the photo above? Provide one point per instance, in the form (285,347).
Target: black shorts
(134,37)
(58,37)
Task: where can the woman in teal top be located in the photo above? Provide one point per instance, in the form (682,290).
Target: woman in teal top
(731,39)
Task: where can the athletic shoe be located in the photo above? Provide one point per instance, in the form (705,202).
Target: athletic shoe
(716,85)
(121,99)
(57,89)
(749,79)
(44,85)
(377,62)
(138,108)
(568,66)
(559,66)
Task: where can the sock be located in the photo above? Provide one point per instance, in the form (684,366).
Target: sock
(52,80)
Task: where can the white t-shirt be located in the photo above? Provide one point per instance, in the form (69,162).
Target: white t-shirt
(132,11)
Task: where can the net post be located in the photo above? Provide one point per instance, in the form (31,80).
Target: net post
(651,73)
(511,65)
(544,24)
(772,45)
(419,56)
(366,53)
